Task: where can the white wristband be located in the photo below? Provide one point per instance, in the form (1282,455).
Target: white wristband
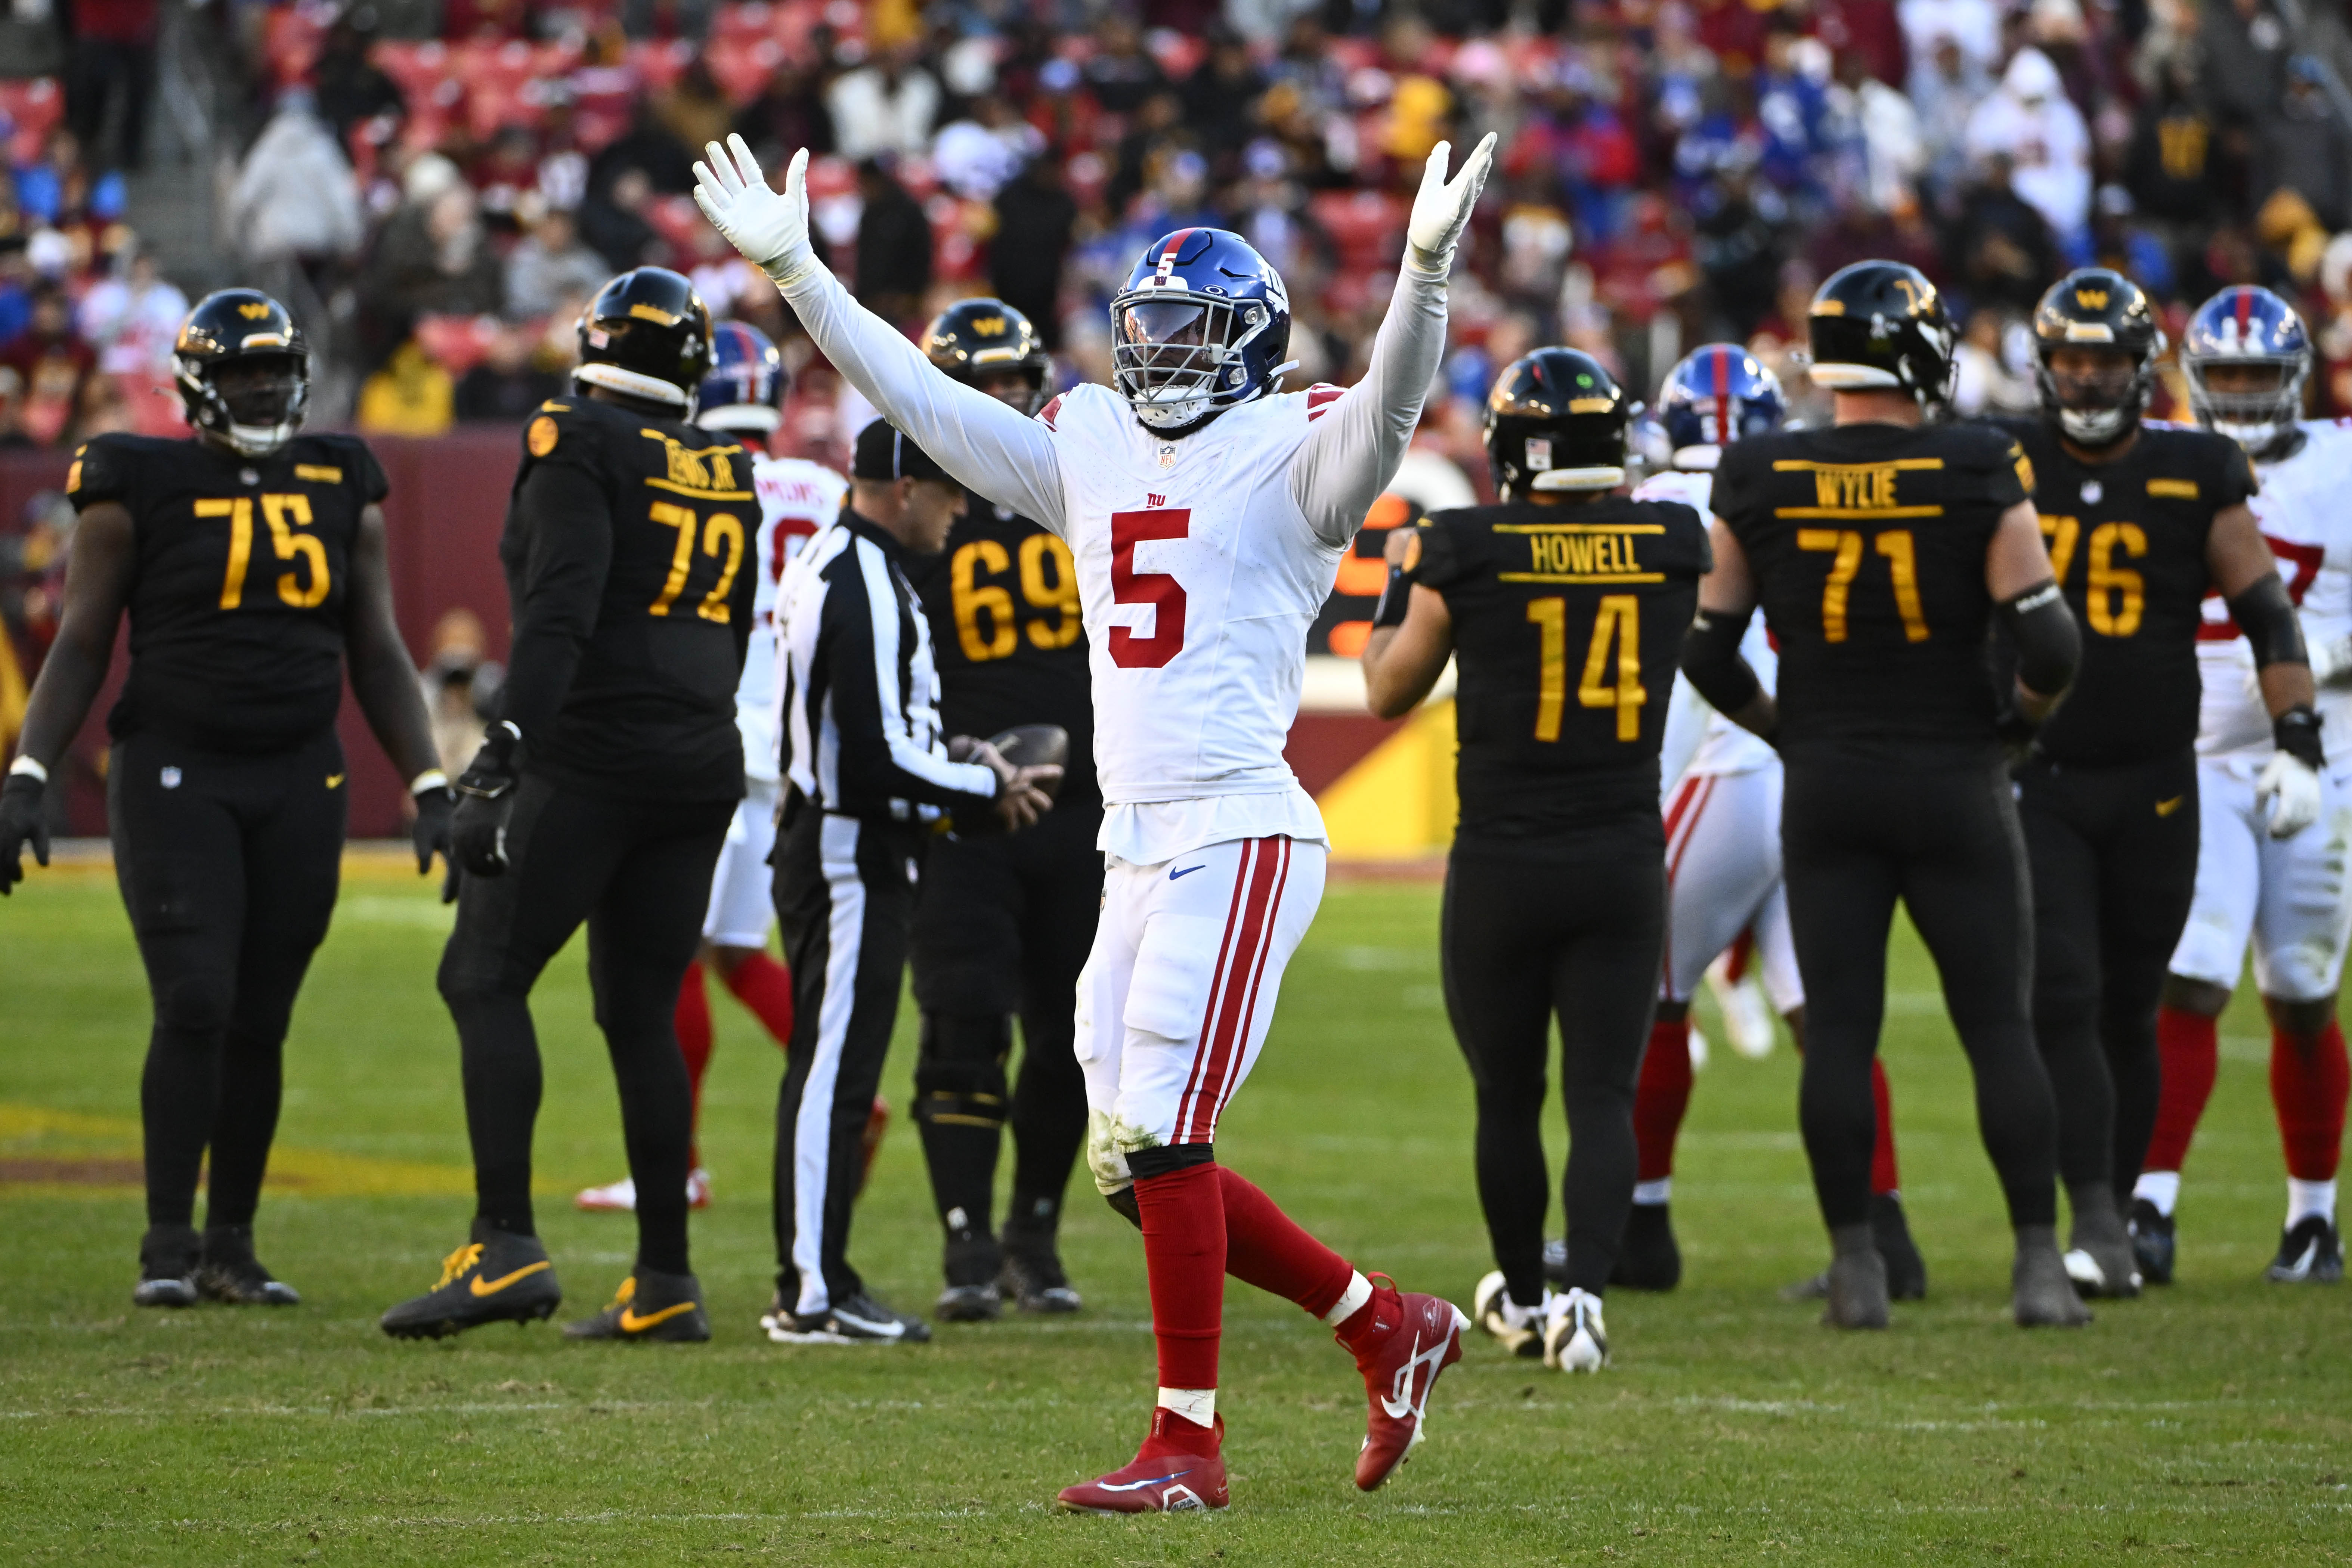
(431,779)
(29,768)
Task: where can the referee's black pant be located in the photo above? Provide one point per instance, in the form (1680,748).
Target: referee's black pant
(228,866)
(1525,937)
(1003,927)
(1856,836)
(638,873)
(2115,870)
(844,896)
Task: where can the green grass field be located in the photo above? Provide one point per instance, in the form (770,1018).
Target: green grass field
(2211,1421)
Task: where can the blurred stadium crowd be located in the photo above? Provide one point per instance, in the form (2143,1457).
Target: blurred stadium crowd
(443,182)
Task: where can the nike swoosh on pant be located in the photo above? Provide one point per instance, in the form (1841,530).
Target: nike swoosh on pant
(1186,870)
(482,1287)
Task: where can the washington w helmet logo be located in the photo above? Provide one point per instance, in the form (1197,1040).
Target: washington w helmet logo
(2091,299)
(253,311)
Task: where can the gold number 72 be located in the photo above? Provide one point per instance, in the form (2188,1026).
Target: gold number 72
(723,532)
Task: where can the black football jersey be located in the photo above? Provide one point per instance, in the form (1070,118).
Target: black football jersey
(1868,545)
(1002,601)
(2128,543)
(1567,629)
(650,711)
(240,584)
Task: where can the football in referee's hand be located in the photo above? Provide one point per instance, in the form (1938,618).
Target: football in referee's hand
(1035,746)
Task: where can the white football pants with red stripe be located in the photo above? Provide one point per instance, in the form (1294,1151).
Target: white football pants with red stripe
(1177,995)
(1723,872)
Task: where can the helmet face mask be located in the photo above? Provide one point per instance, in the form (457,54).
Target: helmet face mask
(2095,345)
(2096,392)
(1198,330)
(2246,356)
(243,371)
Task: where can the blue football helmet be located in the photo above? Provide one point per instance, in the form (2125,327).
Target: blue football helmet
(1716,395)
(2245,326)
(745,388)
(1202,325)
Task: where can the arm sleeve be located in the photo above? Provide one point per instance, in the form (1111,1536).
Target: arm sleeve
(1353,448)
(2267,616)
(1712,661)
(569,524)
(2048,643)
(881,761)
(1005,455)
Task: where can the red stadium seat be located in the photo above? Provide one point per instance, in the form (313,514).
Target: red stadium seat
(417,68)
(290,42)
(154,403)
(742,66)
(680,225)
(33,106)
(660,64)
(1364,226)
(455,343)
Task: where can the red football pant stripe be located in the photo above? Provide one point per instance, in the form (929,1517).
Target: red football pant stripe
(1232,993)
(2188,1047)
(2309,1080)
(765,986)
(1884,1177)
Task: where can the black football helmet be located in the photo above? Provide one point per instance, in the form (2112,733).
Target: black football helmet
(976,338)
(647,333)
(1556,421)
(1881,324)
(244,371)
(2094,308)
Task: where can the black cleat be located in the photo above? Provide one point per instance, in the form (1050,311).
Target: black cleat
(650,1306)
(1648,1259)
(1033,1278)
(229,1272)
(972,1295)
(168,1258)
(496,1277)
(2153,1239)
(1906,1271)
(2310,1253)
(860,1320)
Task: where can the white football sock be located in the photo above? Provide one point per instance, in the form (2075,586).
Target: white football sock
(1198,1405)
(1654,1192)
(2161,1188)
(2308,1197)
(1351,1300)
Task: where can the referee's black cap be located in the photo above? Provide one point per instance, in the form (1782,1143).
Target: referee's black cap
(883,454)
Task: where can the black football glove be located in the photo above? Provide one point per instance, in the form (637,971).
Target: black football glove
(477,828)
(21,822)
(430,834)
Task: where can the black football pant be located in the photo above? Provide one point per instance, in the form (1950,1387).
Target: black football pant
(1856,836)
(1524,939)
(1002,926)
(638,873)
(846,898)
(228,866)
(2115,868)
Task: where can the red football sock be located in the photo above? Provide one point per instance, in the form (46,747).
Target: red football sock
(2187,1048)
(694,1037)
(1883,1177)
(1661,1097)
(765,986)
(1373,1322)
(2308,1086)
(1173,1434)
(1267,1248)
(1184,1255)
(1743,947)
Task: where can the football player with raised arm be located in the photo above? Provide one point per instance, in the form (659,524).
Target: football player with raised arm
(1883,549)
(1723,862)
(1555,889)
(1207,511)
(2142,523)
(2247,357)
(251,561)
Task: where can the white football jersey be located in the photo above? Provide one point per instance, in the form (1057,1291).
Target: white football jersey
(1723,746)
(2304,509)
(1198,575)
(797,498)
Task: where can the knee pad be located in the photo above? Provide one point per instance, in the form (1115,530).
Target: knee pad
(959,1072)
(195,1005)
(1106,1160)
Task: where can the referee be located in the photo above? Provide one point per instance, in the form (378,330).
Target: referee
(870,781)
(602,795)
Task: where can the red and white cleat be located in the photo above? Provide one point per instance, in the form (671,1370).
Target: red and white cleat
(1166,1475)
(1400,1368)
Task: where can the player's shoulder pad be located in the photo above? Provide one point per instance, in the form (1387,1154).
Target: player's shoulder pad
(104,467)
(1448,545)
(1686,545)
(1320,399)
(338,460)
(564,427)
(1079,400)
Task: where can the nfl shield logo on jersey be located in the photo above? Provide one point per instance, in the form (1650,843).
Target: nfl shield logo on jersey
(171,777)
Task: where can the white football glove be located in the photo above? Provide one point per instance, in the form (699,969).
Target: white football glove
(2331,662)
(1442,211)
(771,229)
(2290,789)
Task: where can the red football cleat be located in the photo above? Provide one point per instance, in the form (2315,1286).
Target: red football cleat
(1400,1368)
(1163,1479)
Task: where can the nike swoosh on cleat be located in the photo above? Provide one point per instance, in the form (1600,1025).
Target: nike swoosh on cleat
(1186,870)
(1139,1486)
(482,1287)
(333,780)
(632,1323)
(2166,808)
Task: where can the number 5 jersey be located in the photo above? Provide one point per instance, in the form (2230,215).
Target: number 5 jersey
(237,602)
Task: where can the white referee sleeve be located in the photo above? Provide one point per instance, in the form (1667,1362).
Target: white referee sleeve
(1352,450)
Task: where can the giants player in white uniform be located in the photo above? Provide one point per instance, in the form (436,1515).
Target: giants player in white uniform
(2261,873)
(1207,512)
(1723,859)
(744,395)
